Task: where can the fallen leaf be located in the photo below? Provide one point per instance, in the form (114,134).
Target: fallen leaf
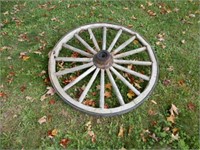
(9,57)
(153,136)
(183,41)
(125,8)
(130,94)
(107,94)
(106,106)
(170,68)
(98,87)
(55,19)
(161,37)
(133,17)
(90,132)
(142,6)
(52,101)
(75,54)
(121,132)
(181,82)
(154,102)
(23,37)
(175,137)
(64,142)
(176,9)
(37,52)
(171,118)
(25,58)
(43,72)
(50,91)
(108,86)
(151,112)
(191,106)
(22,88)
(166,82)
(2,94)
(154,123)
(137,85)
(149,3)
(89,102)
(136,42)
(166,128)
(192,15)
(92,135)
(42,120)
(151,13)
(175,131)
(173,110)
(28,98)
(43,97)
(52,133)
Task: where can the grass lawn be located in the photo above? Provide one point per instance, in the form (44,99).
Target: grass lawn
(29,31)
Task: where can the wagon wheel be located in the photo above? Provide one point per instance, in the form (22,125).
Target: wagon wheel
(107,62)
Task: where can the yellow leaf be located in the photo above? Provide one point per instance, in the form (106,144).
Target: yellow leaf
(121,132)
(25,58)
(54,132)
(130,94)
(135,42)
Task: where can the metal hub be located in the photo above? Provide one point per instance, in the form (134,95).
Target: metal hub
(103,59)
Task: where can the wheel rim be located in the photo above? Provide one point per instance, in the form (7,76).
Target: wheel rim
(105,61)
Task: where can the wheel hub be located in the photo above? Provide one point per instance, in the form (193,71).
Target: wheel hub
(103,59)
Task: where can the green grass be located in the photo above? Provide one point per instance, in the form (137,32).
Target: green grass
(19,114)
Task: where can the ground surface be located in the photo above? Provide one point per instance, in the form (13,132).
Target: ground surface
(29,30)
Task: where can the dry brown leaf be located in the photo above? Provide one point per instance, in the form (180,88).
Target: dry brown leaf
(175,131)
(89,102)
(181,82)
(191,106)
(153,136)
(142,6)
(108,86)
(133,17)
(52,101)
(98,87)
(149,3)
(166,128)
(50,91)
(154,102)
(52,133)
(173,110)
(175,137)
(151,13)
(121,132)
(125,8)
(64,142)
(43,97)
(42,120)
(137,85)
(37,52)
(151,112)
(171,118)
(170,68)
(107,94)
